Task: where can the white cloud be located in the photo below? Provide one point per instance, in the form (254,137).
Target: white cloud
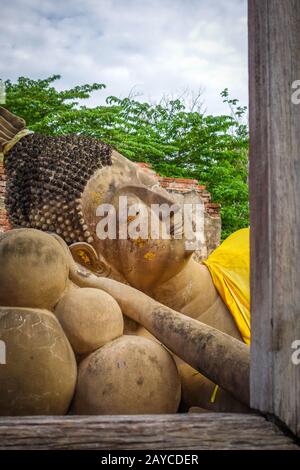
(162,46)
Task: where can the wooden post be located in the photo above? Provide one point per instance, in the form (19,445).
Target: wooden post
(274,68)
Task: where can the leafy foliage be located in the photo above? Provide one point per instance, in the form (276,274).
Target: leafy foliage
(177,142)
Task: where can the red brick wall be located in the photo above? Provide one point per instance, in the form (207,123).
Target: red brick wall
(183,185)
(4,224)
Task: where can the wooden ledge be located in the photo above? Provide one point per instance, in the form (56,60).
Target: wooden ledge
(204,431)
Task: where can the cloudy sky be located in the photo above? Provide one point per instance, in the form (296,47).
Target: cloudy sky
(156,47)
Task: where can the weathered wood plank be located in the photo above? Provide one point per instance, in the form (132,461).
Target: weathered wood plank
(186,431)
(274,64)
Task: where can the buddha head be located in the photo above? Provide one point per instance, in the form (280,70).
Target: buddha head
(141,236)
(68,185)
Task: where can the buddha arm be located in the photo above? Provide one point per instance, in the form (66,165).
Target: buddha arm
(220,357)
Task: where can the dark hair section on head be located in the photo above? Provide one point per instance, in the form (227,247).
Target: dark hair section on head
(46,176)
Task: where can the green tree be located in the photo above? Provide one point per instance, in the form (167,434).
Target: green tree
(34,100)
(177,142)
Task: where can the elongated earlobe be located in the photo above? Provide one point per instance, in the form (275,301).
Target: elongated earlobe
(86,255)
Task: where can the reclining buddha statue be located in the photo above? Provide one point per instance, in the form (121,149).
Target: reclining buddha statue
(198,311)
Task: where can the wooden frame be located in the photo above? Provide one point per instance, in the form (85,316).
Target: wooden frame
(274,65)
(274,59)
(206,431)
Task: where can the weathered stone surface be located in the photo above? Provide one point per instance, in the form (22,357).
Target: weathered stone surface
(130,375)
(34,269)
(90,318)
(40,372)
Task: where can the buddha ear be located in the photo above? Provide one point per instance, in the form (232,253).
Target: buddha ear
(84,254)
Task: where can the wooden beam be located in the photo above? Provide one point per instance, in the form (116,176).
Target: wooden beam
(274,65)
(205,431)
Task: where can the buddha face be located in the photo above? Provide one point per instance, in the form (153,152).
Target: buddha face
(146,245)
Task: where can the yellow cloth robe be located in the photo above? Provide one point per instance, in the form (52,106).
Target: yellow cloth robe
(229,266)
